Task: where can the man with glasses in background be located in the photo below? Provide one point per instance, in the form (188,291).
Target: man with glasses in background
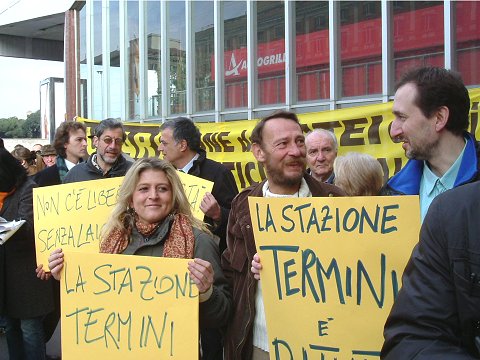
(107,161)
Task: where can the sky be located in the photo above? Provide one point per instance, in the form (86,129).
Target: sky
(20,84)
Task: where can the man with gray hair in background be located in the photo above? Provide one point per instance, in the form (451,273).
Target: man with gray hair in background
(107,161)
(322,148)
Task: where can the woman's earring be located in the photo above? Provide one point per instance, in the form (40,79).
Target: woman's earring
(131,210)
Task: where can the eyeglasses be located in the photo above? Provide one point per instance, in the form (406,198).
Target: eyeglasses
(109,140)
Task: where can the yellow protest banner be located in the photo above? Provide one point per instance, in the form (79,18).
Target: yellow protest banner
(331,270)
(128,307)
(195,189)
(71,215)
(362,129)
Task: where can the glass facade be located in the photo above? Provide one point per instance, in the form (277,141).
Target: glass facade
(204,59)
(95,61)
(312,50)
(82,51)
(271,52)
(114,74)
(153,60)
(361,48)
(132,48)
(235,54)
(467,40)
(417,35)
(178,57)
(154,72)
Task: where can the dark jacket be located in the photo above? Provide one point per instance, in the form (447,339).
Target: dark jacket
(407,180)
(22,294)
(48,176)
(224,190)
(87,171)
(214,312)
(330,180)
(437,312)
(236,265)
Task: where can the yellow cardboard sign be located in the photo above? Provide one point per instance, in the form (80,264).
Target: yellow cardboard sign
(71,216)
(331,270)
(128,307)
(195,189)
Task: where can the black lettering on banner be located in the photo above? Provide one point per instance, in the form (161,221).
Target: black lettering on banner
(373,130)
(305,128)
(223,140)
(211,144)
(386,170)
(143,142)
(244,142)
(474,118)
(351,129)
(245,172)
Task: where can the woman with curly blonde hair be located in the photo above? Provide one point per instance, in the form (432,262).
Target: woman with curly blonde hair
(153,218)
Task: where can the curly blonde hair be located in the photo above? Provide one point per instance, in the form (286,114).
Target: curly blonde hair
(122,215)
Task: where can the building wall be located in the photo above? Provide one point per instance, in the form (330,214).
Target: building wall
(28,143)
(306,56)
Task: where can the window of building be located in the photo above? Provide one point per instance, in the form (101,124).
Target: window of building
(204,55)
(153,48)
(178,64)
(115,75)
(467,36)
(133,61)
(361,48)
(312,52)
(418,35)
(97,73)
(271,52)
(235,54)
(83,61)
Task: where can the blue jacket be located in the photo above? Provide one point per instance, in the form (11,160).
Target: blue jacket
(407,180)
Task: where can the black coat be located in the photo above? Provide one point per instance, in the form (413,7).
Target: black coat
(48,176)
(85,171)
(22,294)
(437,312)
(224,190)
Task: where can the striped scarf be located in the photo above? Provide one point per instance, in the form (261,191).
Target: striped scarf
(62,167)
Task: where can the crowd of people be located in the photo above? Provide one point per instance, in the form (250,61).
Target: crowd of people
(437,311)
(37,159)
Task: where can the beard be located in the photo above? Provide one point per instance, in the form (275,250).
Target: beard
(277,176)
(422,152)
(108,160)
